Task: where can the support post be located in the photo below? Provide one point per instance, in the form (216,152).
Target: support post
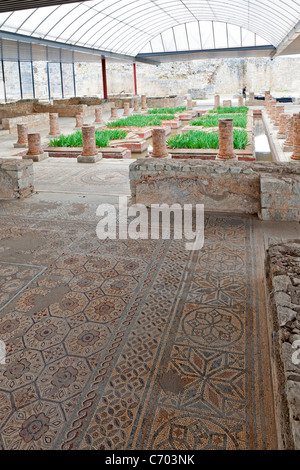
(104,78)
(134,78)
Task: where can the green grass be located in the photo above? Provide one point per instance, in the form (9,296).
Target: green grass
(178,109)
(103,138)
(204,140)
(141,120)
(212,120)
(231,110)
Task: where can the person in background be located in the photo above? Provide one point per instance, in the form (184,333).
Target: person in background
(244,92)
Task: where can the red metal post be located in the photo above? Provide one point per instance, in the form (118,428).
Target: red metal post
(104,79)
(134,78)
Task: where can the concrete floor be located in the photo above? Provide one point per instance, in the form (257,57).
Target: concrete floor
(132,344)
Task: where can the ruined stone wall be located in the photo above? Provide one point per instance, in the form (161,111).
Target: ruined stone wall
(16,178)
(238,187)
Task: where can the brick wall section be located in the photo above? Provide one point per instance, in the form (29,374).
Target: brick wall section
(16,178)
(283,272)
(221,186)
(32,120)
(158,102)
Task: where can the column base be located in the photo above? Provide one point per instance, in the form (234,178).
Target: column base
(20,146)
(160,158)
(36,158)
(89,158)
(225,159)
(287,148)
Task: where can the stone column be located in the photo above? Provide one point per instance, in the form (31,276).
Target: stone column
(189,105)
(144,102)
(35,151)
(240,101)
(217,101)
(98,116)
(282,126)
(126,109)
(227,104)
(226,151)
(289,142)
(278,110)
(296,132)
(79,121)
(113,113)
(22,136)
(159,143)
(166,102)
(136,108)
(90,152)
(54,125)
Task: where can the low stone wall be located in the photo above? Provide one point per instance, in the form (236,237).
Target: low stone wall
(283,269)
(19,108)
(238,187)
(70,110)
(119,100)
(159,101)
(16,178)
(32,120)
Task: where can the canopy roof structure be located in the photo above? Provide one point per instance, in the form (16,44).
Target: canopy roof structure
(161,30)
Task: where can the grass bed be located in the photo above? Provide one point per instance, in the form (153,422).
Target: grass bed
(204,140)
(212,120)
(103,138)
(141,120)
(178,109)
(231,110)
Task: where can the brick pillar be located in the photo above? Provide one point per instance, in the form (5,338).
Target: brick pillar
(240,101)
(296,132)
(144,102)
(278,110)
(267,97)
(90,152)
(54,125)
(79,121)
(189,105)
(126,109)
(114,113)
(35,151)
(217,101)
(282,126)
(272,109)
(22,136)
(98,116)
(159,143)
(226,139)
(136,108)
(166,102)
(289,142)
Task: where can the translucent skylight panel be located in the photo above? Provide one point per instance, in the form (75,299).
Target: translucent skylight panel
(248,38)
(181,38)
(88,25)
(157,44)
(168,40)
(234,36)
(193,35)
(3,18)
(68,19)
(207,35)
(37,17)
(15,20)
(220,34)
(50,21)
(260,41)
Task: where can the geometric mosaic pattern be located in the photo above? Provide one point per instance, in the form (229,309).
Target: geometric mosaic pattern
(131,344)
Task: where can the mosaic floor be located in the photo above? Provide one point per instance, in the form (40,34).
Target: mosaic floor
(129,344)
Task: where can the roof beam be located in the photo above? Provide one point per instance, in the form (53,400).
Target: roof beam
(287,41)
(85,50)
(13,5)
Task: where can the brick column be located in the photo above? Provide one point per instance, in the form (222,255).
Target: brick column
(226,151)
(54,125)
(126,109)
(282,126)
(289,142)
(90,152)
(272,109)
(136,108)
(296,132)
(144,102)
(189,105)
(159,143)
(217,101)
(278,110)
(98,116)
(35,151)
(79,121)
(166,102)
(267,97)
(22,136)
(240,101)
(114,113)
